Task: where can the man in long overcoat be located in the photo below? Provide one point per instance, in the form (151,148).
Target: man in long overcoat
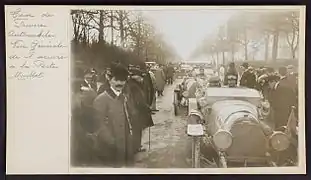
(170,73)
(282,98)
(114,136)
(140,111)
(160,80)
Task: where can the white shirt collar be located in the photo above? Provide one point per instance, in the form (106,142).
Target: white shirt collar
(88,83)
(276,85)
(116,92)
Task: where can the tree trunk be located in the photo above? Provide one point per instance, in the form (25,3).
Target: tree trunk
(232,52)
(293,52)
(223,57)
(275,46)
(101,26)
(111,24)
(121,29)
(267,47)
(245,52)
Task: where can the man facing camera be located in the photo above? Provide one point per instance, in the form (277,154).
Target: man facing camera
(114,142)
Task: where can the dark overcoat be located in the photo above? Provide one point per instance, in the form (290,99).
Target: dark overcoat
(148,89)
(282,98)
(114,144)
(139,110)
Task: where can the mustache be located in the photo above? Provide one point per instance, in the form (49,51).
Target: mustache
(119,85)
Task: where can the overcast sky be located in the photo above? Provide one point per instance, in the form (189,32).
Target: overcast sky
(185,29)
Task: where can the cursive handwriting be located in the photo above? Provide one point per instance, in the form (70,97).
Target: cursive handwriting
(41,34)
(46,15)
(56,57)
(23,24)
(28,75)
(37,44)
(18,44)
(34,45)
(18,14)
(43,64)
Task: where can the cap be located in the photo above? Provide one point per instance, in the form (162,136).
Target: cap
(245,65)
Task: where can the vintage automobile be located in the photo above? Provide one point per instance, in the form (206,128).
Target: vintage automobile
(182,71)
(186,90)
(232,129)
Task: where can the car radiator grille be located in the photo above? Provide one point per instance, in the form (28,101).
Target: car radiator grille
(248,140)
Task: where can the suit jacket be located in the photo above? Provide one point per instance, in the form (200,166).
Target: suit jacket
(248,79)
(105,86)
(114,136)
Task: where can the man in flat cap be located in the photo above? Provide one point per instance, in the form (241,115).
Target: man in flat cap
(114,136)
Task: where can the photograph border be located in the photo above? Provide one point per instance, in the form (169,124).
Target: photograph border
(300,169)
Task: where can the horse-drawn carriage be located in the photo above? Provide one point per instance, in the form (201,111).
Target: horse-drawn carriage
(229,128)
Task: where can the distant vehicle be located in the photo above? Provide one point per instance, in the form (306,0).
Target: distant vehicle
(206,64)
(182,71)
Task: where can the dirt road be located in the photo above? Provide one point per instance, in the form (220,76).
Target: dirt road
(170,147)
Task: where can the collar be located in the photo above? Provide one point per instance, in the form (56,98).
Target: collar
(117,93)
(283,77)
(276,85)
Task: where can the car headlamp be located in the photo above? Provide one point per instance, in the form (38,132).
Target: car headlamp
(222,139)
(279,141)
(185,94)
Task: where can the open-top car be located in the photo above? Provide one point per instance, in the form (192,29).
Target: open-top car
(185,90)
(231,125)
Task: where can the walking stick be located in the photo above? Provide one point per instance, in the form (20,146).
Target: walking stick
(149,139)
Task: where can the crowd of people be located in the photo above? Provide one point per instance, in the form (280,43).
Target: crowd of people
(111,109)
(278,87)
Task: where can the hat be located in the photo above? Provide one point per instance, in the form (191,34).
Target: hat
(119,71)
(87,71)
(245,65)
(135,70)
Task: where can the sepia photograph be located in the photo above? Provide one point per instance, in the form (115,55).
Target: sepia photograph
(185,88)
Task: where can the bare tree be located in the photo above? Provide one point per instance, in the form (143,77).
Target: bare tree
(292,32)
